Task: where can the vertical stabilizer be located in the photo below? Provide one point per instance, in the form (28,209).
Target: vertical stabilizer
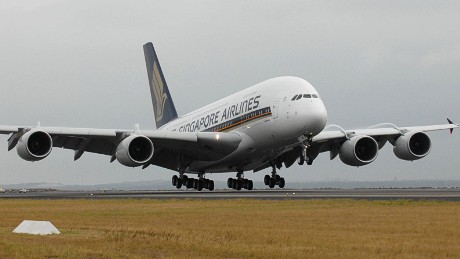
(163,106)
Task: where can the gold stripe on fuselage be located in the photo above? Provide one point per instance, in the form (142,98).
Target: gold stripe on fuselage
(244,121)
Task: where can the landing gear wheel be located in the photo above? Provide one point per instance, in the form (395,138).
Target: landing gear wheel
(229,183)
(189,183)
(211,185)
(238,185)
(266,179)
(301,160)
(174,180)
(178,184)
(271,183)
(281,182)
(200,185)
(195,184)
(249,185)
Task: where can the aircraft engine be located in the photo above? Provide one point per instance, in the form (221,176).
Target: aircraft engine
(412,146)
(34,145)
(358,151)
(134,150)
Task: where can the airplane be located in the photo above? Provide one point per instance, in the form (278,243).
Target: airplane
(273,123)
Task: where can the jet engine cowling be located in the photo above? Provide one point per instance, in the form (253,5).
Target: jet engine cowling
(34,145)
(412,146)
(134,150)
(358,151)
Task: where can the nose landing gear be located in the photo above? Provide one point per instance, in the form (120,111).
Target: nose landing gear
(306,152)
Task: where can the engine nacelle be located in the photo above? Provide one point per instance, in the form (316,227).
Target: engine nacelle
(412,146)
(134,150)
(358,151)
(34,145)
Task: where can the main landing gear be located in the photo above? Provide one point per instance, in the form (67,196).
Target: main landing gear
(275,179)
(197,184)
(240,182)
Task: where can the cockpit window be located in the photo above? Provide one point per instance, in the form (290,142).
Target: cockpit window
(314,96)
(293,98)
(307,96)
(299,96)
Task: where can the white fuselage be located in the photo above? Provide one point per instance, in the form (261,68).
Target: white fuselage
(267,117)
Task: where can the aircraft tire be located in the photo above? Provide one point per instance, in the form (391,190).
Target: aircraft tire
(238,185)
(178,184)
(233,183)
(189,183)
(250,185)
(174,180)
(281,182)
(301,160)
(211,185)
(271,183)
(195,184)
(266,179)
(200,185)
(229,183)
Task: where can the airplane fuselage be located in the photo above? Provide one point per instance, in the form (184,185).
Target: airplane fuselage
(270,117)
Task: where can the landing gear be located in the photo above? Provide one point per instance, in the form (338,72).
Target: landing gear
(197,184)
(306,153)
(240,182)
(275,179)
(178,181)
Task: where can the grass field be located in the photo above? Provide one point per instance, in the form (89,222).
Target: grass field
(133,228)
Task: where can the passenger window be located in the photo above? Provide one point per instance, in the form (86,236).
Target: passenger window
(293,98)
(299,96)
(314,96)
(307,96)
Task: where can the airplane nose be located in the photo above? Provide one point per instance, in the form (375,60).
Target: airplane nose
(317,118)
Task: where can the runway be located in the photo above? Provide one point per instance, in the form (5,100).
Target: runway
(447,194)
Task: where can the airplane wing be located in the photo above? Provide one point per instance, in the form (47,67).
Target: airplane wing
(332,140)
(205,146)
(410,143)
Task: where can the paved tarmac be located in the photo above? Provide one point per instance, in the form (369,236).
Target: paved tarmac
(448,194)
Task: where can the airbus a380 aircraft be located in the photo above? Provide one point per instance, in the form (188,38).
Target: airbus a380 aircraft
(271,124)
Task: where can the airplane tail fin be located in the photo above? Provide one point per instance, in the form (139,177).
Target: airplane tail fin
(163,105)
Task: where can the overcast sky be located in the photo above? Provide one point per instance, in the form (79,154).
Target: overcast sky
(81,64)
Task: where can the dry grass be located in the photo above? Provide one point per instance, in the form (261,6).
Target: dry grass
(233,228)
